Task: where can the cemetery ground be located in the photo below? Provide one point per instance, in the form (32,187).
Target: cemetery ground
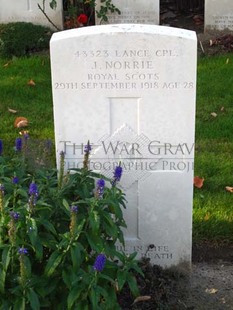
(25,90)
(211,42)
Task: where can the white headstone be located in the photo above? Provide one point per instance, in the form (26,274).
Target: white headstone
(132,11)
(130,90)
(28,11)
(218,14)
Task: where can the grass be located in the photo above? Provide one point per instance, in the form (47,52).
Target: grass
(213,205)
(32,102)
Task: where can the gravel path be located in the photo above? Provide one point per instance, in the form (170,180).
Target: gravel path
(210,286)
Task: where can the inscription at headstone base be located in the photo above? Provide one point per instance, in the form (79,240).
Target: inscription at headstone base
(28,11)
(132,11)
(130,90)
(218,14)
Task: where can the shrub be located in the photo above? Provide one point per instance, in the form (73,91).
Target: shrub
(18,39)
(58,236)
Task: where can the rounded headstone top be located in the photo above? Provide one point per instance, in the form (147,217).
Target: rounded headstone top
(125,28)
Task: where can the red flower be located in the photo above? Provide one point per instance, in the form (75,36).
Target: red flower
(82,19)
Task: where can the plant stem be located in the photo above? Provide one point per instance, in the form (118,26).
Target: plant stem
(51,22)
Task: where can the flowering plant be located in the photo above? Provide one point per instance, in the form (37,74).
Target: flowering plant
(58,236)
(78,13)
(81,13)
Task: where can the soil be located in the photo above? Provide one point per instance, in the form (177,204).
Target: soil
(209,286)
(210,42)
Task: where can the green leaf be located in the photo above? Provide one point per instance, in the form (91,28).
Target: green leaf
(94,220)
(49,226)
(47,288)
(48,240)
(108,218)
(94,299)
(67,206)
(67,278)
(95,242)
(109,225)
(134,265)
(2,279)
(33,298)
(19,304)
(22,193)
(110,301)
(6,202)
(6,257)
(76,256)
(74,295)
(32,230)
(118,211)
(82,305)
(119,255)
(105,293)
(121,237)
(53,4)
(104,276)
(34,238)
(27,264)
(132,256)
(38,249)
(53,262)
(5,305)
(86,190)
(133,284)
(121,278)
(80,228)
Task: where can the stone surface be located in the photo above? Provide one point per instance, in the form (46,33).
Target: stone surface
(28,11)
(130,90)
(218,14)
(132,12)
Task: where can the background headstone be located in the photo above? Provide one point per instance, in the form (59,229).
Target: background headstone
(28,11)
(218,14)
(130,90)
(132,12)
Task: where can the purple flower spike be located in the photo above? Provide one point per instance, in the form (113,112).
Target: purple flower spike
(100,187)
(101,183)
(14,215)
(2,188)
(18,144)
(23,251)
(87,148)
(1,147)
(33,190)
(15,180)
(99,262)
(118,173)
(74,209)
